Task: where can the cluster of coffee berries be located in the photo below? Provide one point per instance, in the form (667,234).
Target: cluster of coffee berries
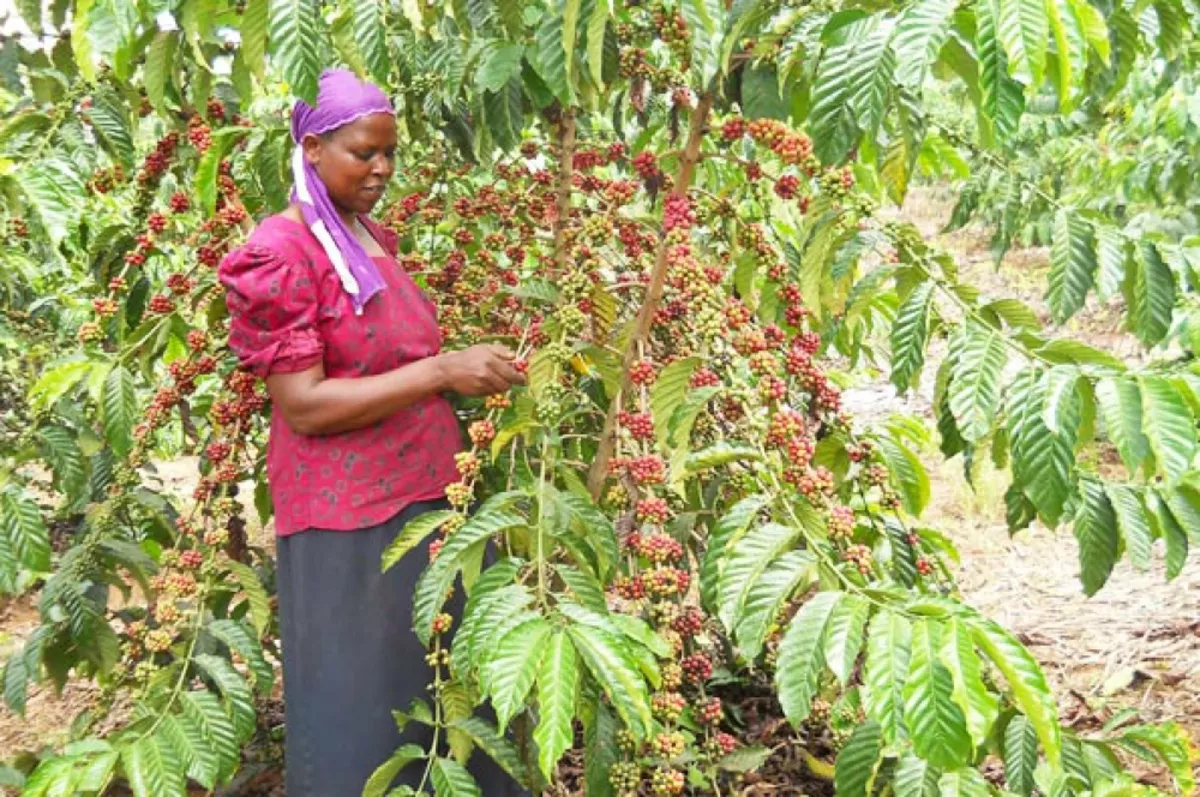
(157,161)
(710,711)
(640,424)
(678,213)
(703,377)
(458,494)
(860,557)
(481,432)
(840,522)
(688,623)
(787,186)
(655,511)
(646,165)
(657,547)
(697,667)
(105,180)
(625,777)
(644,470)
(467,463)
(789,146)
(441,623)
(666,782)
(199,134)
(665,582)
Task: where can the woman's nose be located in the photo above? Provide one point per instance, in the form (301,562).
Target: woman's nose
(382,165)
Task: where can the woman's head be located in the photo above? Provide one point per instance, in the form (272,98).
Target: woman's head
(349,139)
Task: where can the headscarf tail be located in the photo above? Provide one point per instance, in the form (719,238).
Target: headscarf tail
(341,99)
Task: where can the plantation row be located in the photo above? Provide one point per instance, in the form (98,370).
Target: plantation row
(670,212)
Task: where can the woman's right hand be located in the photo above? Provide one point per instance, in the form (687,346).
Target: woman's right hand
(481,370)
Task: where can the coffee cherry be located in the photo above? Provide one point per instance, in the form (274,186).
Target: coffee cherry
(481,432)
(924,566)
(697,668)
(659,548)
(467,463)
(216,109)
(441,623)
(200,135)
(840,522)
(640,425)
(666,582)
(161,305)
(711,711)
(667,706)
(724,743)
(89,332)
(877,475)
(860,557)
(179,202)
(104,307)
(625,776)
(666,782)
(647,470)
(654,511)
(645,164)
(458,494)
(689,623)
(787,186)
(669,744)
(179,284)
(678,213)
(703,377)
(672,676)
(642,372)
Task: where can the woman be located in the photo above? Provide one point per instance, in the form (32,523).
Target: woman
(362,439)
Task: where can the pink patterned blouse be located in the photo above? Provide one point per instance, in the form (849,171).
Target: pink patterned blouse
(288,312)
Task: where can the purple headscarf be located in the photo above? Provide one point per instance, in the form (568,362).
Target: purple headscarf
(341,99)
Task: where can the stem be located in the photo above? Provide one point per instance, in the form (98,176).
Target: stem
(562,216)
(437,718)
(541,531)
(562,202)
(187,660)
(654,293)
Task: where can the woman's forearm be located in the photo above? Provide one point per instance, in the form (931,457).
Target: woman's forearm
(312,404)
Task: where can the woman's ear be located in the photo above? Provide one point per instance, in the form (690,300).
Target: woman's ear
(312,148)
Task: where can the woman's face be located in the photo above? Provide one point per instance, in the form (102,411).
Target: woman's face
(355,161)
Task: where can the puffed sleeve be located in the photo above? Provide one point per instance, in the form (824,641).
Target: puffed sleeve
(273,305)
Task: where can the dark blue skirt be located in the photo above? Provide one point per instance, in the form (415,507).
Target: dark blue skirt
(350,657)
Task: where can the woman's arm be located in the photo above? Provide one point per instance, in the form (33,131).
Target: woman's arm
(312,404)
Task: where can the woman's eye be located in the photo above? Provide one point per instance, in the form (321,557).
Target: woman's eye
(364,156)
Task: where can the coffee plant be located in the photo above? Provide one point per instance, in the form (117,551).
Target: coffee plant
(669,210)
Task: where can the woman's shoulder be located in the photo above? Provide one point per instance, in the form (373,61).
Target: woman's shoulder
(277,240)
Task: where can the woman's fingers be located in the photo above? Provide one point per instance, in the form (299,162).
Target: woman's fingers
(503,352)
(507,375)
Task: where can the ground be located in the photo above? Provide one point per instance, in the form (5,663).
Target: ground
(1136,644)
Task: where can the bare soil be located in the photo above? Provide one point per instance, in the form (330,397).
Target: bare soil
(1135,645)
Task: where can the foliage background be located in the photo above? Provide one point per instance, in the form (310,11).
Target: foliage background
(1082,121)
